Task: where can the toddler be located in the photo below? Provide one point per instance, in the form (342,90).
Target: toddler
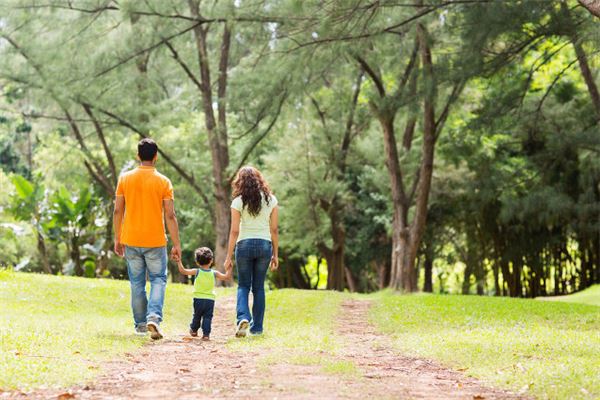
(204,290)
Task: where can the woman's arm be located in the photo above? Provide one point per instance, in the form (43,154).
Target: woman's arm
(234,232)
(274,226)
(186,271)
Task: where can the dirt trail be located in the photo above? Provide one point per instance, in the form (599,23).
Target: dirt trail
(181,368)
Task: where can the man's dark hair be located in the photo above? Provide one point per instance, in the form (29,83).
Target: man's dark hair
(203,255)
(147,149)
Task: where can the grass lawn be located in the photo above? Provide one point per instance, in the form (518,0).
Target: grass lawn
(590,295)
(551,349)
(54,330)
(299,329)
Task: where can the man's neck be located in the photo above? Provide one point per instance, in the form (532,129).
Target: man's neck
(147,164)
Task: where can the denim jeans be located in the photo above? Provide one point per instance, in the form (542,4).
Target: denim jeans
(153,261)
(252,258)
(203,313)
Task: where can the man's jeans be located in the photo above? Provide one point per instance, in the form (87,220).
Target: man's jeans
(252,258)
(152,260)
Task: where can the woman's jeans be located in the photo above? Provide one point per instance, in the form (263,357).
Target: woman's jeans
(151,260)
(252,258)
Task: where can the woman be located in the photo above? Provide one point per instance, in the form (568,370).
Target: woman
(254,236)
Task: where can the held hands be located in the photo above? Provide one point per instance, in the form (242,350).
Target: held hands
(228,264)
(176,253)
(274,263)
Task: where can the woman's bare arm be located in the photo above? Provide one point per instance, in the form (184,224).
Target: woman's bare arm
(274,226)
(234,233)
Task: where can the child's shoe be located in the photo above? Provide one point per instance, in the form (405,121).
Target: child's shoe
(193,333)
(205,338)
(242,328)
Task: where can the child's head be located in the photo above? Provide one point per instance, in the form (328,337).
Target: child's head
(203,256)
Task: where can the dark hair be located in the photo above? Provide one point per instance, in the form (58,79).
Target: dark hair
(203,255)
(250,184)
(147,149)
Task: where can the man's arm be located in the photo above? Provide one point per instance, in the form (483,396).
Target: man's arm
(173,228)
(118,213)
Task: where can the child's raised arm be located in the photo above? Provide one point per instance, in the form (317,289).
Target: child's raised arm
(186,271)
(227,276)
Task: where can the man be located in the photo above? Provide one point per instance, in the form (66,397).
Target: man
(143,202)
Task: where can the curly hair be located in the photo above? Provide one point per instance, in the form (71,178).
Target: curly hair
(250,184)
(203,255)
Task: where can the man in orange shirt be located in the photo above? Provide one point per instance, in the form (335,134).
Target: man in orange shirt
(143,202)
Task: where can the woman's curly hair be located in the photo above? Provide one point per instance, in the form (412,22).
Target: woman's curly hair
(250,184)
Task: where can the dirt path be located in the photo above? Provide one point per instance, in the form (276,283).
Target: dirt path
(181,368)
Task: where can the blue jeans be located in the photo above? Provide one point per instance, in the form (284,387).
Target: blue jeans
(203,313)
(252,258)
(151,260)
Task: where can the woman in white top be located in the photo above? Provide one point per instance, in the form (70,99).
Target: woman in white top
(254,236)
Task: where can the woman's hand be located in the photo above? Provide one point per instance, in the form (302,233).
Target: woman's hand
(228,264)
(274,263)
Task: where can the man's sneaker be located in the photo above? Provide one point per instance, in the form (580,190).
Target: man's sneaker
(154,331)
(193,333)
(141,330)
(205,338)
(242,328)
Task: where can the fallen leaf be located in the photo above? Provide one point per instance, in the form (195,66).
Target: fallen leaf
(65,396)
(462,369)
(76,352)
(183,370)
(478,397)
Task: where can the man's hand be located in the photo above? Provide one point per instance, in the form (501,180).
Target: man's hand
(119,249)
(176,253)
(274,263)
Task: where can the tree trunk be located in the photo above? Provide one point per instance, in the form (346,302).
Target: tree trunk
(466,284)
(336,279)
(217,133)
(351,281)
(76,256)
(383,273)
(428,267)
(41,245)
(593,6)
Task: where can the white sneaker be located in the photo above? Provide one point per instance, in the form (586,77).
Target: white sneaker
(242,328)
(155,333)
(141,330)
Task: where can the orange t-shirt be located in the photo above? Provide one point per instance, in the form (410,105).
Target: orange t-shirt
(144,190)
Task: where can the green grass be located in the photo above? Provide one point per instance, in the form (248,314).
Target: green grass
(590,295)
(56,331)
(550,349)
(300,330)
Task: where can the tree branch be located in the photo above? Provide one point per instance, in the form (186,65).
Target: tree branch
(259,138)
(374,76)
(107,152)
